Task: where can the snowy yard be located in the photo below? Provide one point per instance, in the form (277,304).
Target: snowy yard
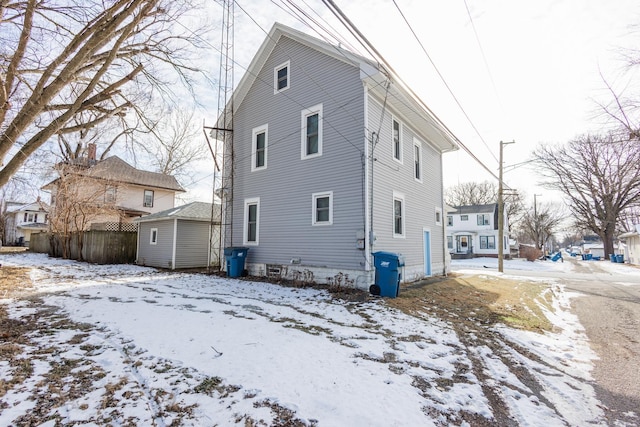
(128,345)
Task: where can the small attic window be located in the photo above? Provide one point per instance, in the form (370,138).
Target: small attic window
(281,78)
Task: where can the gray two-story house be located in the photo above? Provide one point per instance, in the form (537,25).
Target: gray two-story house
(332,160)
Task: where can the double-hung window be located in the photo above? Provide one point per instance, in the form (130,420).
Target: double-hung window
(487,242)
(281,77)
(417,160)
(396,130)
(148,199)
(449,220)
(483,219)
(398,214)
(259,148)
(251,221)
(464,217)
(322,208)
(438,216)
(311,132)
(110,194)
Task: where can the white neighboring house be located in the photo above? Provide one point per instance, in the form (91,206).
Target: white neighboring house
(125,191)
(631,247)
(472,231)
(22,220)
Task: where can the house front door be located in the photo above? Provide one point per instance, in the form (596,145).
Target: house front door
(463,244)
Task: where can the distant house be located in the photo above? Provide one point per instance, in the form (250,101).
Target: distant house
(596,249)
(22,220)
(179,237)
(333,161)
(631,246)
(472,231)
(110,193)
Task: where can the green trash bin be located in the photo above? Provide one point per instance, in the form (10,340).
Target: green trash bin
(235,261)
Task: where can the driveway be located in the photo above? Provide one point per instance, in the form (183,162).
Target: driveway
(609,309)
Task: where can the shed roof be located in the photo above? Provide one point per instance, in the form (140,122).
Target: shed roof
(195,211)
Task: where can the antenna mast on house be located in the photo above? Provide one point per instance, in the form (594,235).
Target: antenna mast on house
(223,132)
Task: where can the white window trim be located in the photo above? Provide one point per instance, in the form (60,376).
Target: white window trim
(316,109)
(417,144)
(256,131)
(316,196)
(449,217)
(487,248)
(245,233)
(398,196)
(488,217)
(144,198)
(275,77)
(400,129)
(153,231)
(438,211)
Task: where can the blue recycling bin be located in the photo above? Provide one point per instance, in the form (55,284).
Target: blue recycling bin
(387,279)
(620,258)
(612,257)
(235,261)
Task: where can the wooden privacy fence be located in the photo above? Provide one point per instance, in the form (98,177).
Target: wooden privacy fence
(100,247)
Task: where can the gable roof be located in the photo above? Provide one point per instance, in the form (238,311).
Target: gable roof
(400,98)
(468,209)
(198,211)
(117,170)
(37,206)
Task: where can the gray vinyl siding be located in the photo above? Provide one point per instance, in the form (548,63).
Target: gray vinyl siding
(420,198)
(286,186)
(160,254)
(193,239)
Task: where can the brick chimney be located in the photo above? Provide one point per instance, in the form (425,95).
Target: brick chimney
(91,152)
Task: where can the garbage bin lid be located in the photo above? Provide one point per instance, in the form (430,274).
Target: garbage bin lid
(384,253)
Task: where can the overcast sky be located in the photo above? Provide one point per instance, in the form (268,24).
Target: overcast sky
(531,74)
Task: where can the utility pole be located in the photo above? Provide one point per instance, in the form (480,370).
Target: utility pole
(536,222)
(501,213)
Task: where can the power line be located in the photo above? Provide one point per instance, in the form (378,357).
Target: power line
(363,40)
(444,80)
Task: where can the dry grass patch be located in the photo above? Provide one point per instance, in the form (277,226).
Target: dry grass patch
(14,281)
(479,298)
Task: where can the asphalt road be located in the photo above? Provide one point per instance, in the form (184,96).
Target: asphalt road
(609,310)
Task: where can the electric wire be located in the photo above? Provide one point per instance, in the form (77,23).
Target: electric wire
(362,39)
(444,81)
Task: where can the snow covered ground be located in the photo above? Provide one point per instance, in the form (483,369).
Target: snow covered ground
(156,347)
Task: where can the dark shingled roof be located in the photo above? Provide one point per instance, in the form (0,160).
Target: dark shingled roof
(115,169)
(469,209)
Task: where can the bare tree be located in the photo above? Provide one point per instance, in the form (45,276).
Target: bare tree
(471,193)
(484,193)
(69,66)
(541,222)
(177,144)
(77,201)
(600,177)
